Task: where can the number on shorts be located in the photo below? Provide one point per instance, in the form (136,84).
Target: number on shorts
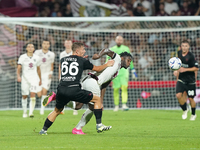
(191,92)
(73,69)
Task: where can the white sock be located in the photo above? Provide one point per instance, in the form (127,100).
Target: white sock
(71,104)
(87,115)
(24,105)
(31,105)
(42,107)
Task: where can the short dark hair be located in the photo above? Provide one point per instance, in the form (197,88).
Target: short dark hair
(45,39)
(76,45)
(126,54)
(185,41)
(28,44)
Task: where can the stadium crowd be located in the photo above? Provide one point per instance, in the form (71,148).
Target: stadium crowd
(62,8)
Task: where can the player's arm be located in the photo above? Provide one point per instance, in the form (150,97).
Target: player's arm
(51,72)
(196,72)
(105,51)
(104,66)
(133,71)
(39,74)
(19,68)
(193,69)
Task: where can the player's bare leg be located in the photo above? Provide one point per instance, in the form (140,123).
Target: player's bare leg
(182,98)
(193,107)
(32,104)
(24,105)
(49,121)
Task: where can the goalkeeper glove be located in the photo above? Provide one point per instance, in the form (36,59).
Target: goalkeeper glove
(134,74)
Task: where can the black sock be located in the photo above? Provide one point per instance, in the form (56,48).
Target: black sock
(98,115)
(184,107)
(47,124)
(193,110)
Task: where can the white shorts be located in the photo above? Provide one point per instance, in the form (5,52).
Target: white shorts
(91,85)
(46,83)
(29,86)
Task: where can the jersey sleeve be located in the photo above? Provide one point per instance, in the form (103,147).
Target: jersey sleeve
(87,65)
(20,60)
(194,63)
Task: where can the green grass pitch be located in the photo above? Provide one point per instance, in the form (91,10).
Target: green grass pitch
(131,130)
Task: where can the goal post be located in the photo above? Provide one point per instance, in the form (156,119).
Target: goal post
(152,41)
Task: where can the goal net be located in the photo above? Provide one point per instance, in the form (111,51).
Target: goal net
(152,41)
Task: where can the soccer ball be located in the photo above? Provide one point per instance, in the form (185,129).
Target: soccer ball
(174,63)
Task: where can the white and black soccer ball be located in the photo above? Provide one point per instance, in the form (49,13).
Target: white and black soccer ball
(174,63)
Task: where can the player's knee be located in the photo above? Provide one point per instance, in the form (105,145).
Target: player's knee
(78,106)
(24,96)
(179,95)
(91,107)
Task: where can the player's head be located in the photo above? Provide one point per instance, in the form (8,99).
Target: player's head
(45,44)
(119,40)
(126,59)
(185,46)
(68,44)
(30,48)
(78,49)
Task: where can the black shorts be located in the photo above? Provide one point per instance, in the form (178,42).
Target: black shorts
(73,93)
(189,88)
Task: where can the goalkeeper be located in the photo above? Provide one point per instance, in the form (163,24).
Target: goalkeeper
(121,81)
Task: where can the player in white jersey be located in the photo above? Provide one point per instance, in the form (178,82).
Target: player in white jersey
(47,64)
(65,53)
(29,63)
(97,84)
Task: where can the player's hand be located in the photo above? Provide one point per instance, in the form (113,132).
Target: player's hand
(86,56)
(19,79)
(182,70)
(175,73)
(50,76)
(40,83)
(110,63)
(134,74)
(95,56)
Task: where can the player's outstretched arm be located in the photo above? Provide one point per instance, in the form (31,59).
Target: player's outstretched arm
(102,67)
(105,51)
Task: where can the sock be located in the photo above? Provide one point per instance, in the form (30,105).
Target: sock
(184,107)
(87,115)
(193,110)
(24,105)
(124,94)
(47,124)
(42,107)
(98,115)
(31,105)
(116,96)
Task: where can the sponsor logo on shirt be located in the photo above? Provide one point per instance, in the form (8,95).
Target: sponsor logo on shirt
(43,59)
(30,65)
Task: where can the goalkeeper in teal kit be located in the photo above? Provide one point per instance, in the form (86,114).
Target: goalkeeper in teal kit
(121,81)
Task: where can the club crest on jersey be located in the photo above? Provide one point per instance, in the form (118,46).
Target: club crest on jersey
(43,59)
(31,65)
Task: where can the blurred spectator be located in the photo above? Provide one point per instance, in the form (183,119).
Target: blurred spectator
(162,11)
(171,6)
(145,63)
(146,6)
(56,8)
(67,12)
(185,10)
(138,10)
(198,11)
